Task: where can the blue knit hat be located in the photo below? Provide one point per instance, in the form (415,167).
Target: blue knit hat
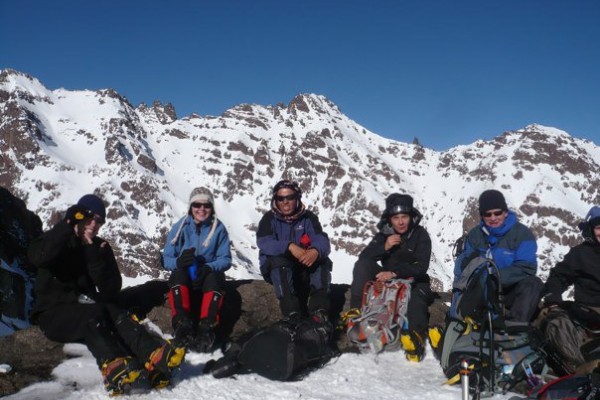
(94,204)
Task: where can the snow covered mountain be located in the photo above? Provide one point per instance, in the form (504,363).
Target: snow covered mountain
(57,145)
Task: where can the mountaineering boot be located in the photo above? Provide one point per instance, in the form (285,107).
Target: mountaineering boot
(436,335)
(123,375)
(183,331)
(347,319)
(205,338)
(162,361)
(413,344)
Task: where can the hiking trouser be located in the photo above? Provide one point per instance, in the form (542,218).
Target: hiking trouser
(291,279)
(196,300)
(421,295)
(106,329)
(564,337)
(521,299)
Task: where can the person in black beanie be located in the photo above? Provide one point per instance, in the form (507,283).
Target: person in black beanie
(79,299)
(400,249)
(512,246)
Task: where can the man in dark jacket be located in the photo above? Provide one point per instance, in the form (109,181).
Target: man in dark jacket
(79,299)
(571,324)
(293,253)
(512,247)
(401,249)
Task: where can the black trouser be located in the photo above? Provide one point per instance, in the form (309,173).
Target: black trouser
(521,299)
(420,294)
(197,300)
(291,280)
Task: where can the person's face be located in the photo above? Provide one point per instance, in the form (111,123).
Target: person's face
(92,226)
(597,233)
(286,201)
(400,223)
(201,211)
(494,218)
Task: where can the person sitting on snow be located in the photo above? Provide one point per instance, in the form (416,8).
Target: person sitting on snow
(198,253)
(512,246)
(79,299)
(568,325)
(401,249)
(293,254)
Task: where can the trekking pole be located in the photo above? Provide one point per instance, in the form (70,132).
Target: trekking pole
(492,355)
(464,379)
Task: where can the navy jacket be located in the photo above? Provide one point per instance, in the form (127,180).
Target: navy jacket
(274,235)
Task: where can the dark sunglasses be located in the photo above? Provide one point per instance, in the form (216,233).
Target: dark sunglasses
(494,213)
(289,197)
(208,206)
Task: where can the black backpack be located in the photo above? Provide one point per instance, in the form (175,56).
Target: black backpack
(287,350)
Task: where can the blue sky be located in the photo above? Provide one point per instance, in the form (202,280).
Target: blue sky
(446,72)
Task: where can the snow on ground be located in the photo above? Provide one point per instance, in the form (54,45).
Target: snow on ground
(349,377)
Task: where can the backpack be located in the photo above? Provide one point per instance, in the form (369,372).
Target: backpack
(284,351)
(499,354)
(383,316)
(568,387)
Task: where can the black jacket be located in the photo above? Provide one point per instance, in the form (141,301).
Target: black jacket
(408,260)
(67,269)
(581,268)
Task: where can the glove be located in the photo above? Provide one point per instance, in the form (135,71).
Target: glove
(186,258)
(76,214)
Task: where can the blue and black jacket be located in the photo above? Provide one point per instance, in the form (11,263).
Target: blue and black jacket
(512,246)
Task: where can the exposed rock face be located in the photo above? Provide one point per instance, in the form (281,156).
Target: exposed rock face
(144,162)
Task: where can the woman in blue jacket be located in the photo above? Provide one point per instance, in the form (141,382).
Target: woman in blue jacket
(198,253)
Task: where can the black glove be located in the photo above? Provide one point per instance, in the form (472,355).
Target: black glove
(186,258)
(76,214)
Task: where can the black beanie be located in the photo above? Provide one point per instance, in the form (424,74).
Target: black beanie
(397,203)
(94,204)
(491,200)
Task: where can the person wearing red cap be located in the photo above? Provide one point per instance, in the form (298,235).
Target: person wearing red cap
(79,299)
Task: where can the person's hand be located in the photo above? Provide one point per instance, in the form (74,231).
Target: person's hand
(391,241)
(309,257)
(186,258)
(385,276)
(297,251)
(76,214)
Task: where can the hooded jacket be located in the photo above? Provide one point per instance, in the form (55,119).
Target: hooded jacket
(275,234)
(410,259)
(188,234)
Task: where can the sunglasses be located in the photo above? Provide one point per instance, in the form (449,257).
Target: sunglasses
(208,206)
(289,197)
(494,213)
